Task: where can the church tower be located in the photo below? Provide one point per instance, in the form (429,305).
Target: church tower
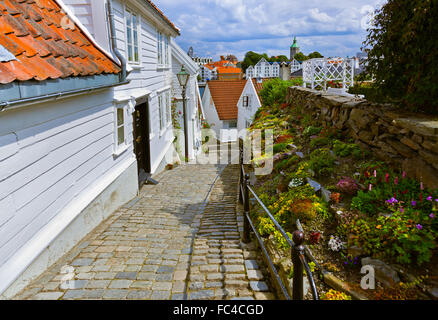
(294,49)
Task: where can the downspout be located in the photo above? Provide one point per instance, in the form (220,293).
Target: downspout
(119,56)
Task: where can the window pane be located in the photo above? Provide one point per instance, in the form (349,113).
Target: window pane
(120,135)
(120,117)
(136,55)
(128,19)
(135,37)
(130,55)
(129,36)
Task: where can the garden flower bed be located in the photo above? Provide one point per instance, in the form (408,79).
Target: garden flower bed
(350,205)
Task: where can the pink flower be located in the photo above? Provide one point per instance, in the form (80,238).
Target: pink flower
(419,226)
(429,198)
(431,216)
(370,187)
(375,174)
(421,186)
(396,181)
(387,177)
(404,174)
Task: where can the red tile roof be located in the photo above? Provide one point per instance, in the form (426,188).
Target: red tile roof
(46,44)
(259,86)
(226,95)
(228,70)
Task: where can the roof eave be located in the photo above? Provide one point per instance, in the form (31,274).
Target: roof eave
(21,93)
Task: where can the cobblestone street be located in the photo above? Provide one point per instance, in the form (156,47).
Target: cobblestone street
(177,240)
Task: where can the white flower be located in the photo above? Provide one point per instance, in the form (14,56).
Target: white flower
(336,244)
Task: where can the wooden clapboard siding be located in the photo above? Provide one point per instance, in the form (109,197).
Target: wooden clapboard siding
(51,153)
(82,10)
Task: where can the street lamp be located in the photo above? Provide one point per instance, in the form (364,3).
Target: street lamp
(183,78)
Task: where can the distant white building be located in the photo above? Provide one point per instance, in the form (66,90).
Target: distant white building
(265,69)
(208,72)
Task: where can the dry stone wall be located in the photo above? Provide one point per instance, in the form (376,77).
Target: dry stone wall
(405,140)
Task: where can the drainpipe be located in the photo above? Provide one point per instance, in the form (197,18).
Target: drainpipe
(119,56)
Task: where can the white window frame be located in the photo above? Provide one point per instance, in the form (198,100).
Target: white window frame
(164,110)
(245,101)
(163,50)
(133,28)
(119,148)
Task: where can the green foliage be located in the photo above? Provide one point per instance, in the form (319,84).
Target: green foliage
(403,237)
(322,162)
(275,91)
(315,54)
(301,57)
(319,142)
(342,149)
(402,54)
(366,202)
(280,147)
(311,131)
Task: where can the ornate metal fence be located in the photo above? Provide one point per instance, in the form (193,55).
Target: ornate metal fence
(319,71)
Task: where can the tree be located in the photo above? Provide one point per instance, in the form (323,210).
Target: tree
(315,54)
(301,57)
(403,53)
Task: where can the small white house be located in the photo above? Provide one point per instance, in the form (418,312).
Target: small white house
(220,101)
(248,104)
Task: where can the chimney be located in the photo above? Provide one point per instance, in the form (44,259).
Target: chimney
(222,58)
(285,71)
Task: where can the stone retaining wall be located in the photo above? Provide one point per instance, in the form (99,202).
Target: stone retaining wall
(407,141)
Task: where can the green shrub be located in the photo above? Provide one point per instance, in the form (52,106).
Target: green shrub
(280,147)
(319,142)
(346,149)
(402,54)
(275,91)
(311,131)
(322,162)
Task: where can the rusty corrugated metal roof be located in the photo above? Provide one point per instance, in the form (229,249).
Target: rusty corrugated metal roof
(46,44)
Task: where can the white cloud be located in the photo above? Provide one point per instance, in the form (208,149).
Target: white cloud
(216,27)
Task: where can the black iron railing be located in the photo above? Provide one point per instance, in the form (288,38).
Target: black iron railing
(299,261)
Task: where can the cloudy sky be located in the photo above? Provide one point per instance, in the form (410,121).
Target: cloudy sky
(220,27)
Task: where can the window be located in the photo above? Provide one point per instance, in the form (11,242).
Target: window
(168,108)
(120,133)
(160,111)
(164,109)
(132,37)
(245,101)
(163,49)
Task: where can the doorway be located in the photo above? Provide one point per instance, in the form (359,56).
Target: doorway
(142,147)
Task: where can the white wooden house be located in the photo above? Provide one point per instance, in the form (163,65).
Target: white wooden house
(66,147)
(143,36)
(248,104)
(78,133)
(263,69)
(220,100)
(194,107)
